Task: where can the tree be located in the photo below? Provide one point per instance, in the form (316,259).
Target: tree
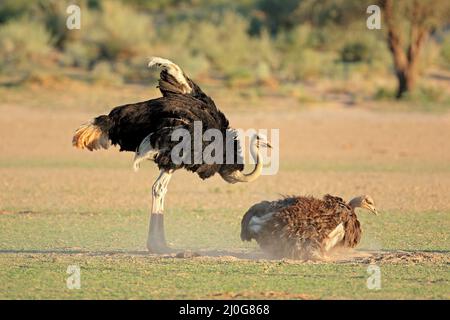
(413,20)
(278,15)
(409,24)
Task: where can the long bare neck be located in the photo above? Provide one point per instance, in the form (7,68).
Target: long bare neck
(355,202)
(256,155)
(239,176)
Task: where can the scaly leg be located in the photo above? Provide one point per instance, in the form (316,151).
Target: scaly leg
(156,241)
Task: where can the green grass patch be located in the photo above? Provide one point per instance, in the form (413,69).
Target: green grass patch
(109,247)
(142,277)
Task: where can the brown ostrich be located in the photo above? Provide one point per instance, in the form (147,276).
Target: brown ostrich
(304,227)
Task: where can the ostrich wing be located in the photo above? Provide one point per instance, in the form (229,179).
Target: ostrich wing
(258,218)
(172,78)
(257,211)
(311,218)
(157,119)
(349,219)
(173,81)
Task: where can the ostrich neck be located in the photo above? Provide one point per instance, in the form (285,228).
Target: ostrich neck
(355,202)
(256,155)
(238,176)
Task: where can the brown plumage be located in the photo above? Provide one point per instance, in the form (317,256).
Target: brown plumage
(304,227)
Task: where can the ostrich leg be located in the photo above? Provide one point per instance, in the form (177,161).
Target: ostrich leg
(156,241)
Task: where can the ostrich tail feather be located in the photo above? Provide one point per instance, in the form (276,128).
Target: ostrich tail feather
(91,136)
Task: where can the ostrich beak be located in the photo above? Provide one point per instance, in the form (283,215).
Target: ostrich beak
(265,144)
(262,141)
(372,209)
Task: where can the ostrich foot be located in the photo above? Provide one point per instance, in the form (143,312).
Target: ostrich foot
(156,241)
(158,247)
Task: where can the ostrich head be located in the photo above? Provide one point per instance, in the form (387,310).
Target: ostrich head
(261,141)
(365,202)
(232,174)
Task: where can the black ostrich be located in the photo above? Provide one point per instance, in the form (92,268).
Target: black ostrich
(146,128)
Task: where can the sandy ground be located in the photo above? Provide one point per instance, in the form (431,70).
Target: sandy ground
(402,160)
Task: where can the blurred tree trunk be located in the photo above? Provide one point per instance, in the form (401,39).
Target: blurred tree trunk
(406,61)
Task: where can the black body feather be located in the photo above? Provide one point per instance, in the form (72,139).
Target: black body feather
(128,125)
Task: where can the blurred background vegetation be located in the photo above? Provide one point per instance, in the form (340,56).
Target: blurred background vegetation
(263,46)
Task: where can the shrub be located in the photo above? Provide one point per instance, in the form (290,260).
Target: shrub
(12,9)
(383,93)
(354,52)
(221,45)
(116,34)
(427,94)
(445,51)
(24,45)
(80,54)
(175,42)
(53,15)
(299,60)
(103,73)
(226,45)
(119,32)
